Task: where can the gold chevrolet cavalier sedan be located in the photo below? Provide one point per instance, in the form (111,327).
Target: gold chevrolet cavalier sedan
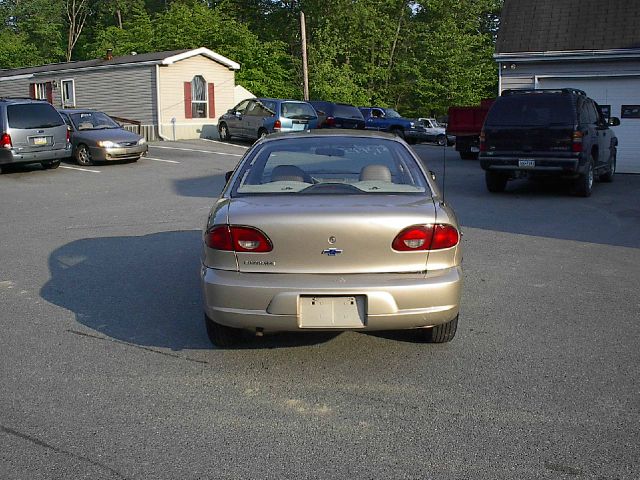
(327,230)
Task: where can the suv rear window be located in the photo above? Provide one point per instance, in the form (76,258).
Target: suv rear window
(533,109)
(33,115)
(298,110)
(347,111)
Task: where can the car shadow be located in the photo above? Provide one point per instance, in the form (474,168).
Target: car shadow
(209,186)
(143,290)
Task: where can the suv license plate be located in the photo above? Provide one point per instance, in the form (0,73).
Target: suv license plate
(39,140)
(526,163)
(475,149)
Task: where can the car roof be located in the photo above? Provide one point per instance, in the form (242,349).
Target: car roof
(78,110)
(22,100)
(331,132)
(278,99)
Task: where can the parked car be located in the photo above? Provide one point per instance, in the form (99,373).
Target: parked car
(258,117)
(96,137)
(436,132)
(331,230)
(547,132)
(32,131)
(337,115)
(388,120)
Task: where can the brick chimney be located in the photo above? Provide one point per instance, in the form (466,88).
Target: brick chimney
(109,55)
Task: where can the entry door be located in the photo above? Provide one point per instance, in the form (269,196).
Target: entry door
(614,91)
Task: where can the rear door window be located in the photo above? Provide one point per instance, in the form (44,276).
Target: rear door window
(33,115)
(345,111)
(298,110)
(531,110)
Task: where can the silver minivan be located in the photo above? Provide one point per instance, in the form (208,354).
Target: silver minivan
(32,131)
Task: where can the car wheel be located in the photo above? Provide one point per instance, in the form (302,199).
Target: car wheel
(51,164)
(441,140)
(221,335)
(398,132)
(611,169)
(223,132)
(262,133)
(496,182)
(442,333)
(83,157)
(584,183)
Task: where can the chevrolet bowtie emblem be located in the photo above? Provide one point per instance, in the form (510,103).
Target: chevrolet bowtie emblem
(332,252)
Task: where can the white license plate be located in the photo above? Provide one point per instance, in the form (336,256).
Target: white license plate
(526,163)
(332,312)
(475,149)
(39,140)
(299,126)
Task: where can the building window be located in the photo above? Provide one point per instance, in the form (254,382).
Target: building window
(198,97)
(40,91)
(68,88)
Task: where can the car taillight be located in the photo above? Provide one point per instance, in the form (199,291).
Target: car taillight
(237,239)
(426,237)
(5,141)
(277,125)
(68,135)
(576,142)
(483,144)
(330,121)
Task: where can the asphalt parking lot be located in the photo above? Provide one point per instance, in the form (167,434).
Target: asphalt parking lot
(106,371)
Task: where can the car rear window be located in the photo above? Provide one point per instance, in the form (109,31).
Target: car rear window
(326,165)
(531,110)
(33,115)
(347,111)
(298,110)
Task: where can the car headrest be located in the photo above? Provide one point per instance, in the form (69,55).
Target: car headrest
(375,172)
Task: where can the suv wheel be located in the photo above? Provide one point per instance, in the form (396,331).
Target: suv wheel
(262,133)
(442,333)
(221,335)
(51,164)
(607,176)
(223,132)
(584,183)
(441,140)
(496,182)
(83,157)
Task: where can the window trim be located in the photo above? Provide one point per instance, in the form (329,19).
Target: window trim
(65,102)
(206,97)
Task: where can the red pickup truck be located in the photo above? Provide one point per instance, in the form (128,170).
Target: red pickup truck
(466,124)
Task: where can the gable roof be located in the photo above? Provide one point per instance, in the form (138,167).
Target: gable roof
(158,58)
(568,25)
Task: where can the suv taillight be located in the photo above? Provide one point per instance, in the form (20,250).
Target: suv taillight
(576,141)
(277,125)
(330,121)
(237,239)
(426,237)
(5,141)
(483,144)
(68,135)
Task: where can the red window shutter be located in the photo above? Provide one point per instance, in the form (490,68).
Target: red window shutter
(50,92)
(32,90)
(187,100)
(212,100)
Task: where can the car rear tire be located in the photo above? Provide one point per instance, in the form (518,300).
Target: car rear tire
(262,133)
(223,132)
(82,156)
(441,140)
(496,182)
(51,164)
(611,169)
(221,335)
(584,183)
(442,333)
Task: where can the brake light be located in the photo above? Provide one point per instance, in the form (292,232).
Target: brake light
(5,141)
(237,239)
(277,125)
(576,141)
(68,135)
(426,237)
(483,145)
(330,121)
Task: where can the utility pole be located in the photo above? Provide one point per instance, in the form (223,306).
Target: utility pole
(305,68)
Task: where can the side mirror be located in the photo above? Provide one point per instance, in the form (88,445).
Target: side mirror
(231,111)
(227,176)
(614,121)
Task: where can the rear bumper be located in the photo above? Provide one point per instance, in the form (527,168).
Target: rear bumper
(100,154)
(272,301)
(549,165)
(10,156)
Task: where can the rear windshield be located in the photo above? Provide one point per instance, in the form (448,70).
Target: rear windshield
(298,110)
(532,109)
(347,111)
(330,166)
(33,115)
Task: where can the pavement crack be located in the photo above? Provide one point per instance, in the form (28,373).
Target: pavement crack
(141,347)
(40,443)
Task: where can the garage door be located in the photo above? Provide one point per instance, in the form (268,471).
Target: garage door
(613,91)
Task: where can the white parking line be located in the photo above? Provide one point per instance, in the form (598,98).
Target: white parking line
(79,169)
(159,160)
(194,150)
(223,143)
